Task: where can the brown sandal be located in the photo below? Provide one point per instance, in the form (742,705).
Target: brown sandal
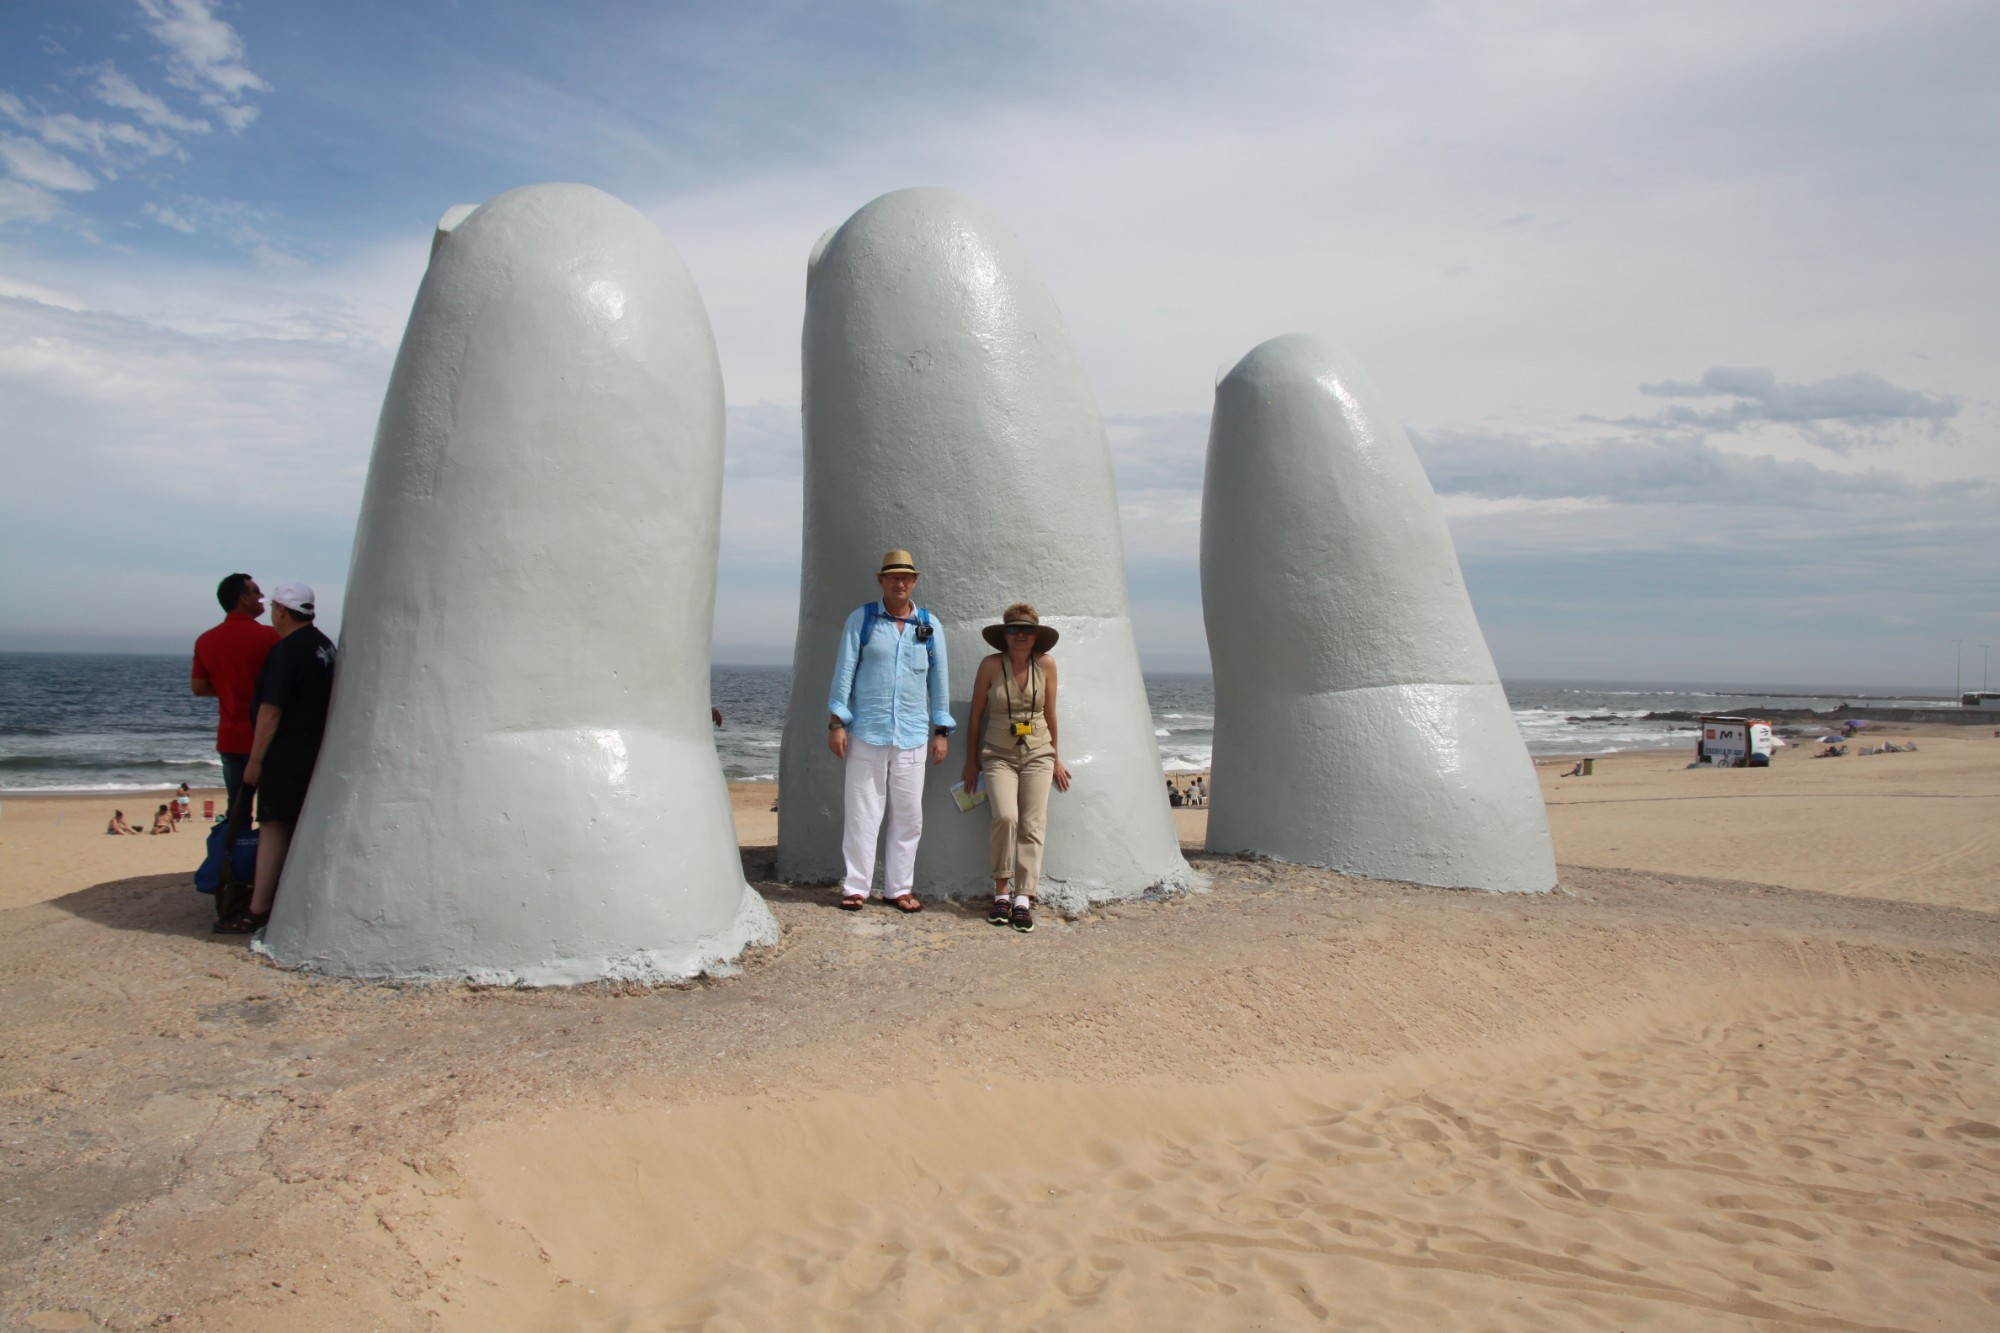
(908,902)
(243,923)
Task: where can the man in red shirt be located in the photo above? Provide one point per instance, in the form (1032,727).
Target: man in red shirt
(226,662)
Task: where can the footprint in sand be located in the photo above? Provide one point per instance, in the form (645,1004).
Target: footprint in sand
(1795,1266)
(1975,1129)
(1085,1278)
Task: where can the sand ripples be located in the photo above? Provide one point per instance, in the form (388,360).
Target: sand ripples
(1817,1167)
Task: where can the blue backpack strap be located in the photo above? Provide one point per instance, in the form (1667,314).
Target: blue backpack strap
(873,612)
(869,615)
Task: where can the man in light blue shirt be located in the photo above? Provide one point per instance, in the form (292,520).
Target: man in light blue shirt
(889,703)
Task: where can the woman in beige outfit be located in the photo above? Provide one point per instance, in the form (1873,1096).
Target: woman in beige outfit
(1014,717)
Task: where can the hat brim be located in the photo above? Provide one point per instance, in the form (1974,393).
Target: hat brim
(1045,637)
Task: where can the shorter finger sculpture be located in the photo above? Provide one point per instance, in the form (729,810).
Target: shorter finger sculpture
(1359,722)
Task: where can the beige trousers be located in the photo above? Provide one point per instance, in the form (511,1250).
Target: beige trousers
(1017,789)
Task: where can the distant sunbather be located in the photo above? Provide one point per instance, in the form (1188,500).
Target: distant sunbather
(118,824)
(163,820)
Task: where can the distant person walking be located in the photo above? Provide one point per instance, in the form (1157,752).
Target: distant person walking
(890,697)
(227,659)
(293,691)
(1014,719)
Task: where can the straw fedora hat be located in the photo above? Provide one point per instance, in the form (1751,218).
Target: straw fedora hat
(1021,614)
(897,561)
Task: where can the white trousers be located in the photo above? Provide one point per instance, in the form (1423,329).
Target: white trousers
(881,776)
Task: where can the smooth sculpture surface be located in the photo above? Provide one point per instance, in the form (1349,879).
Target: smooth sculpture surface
(518,783)
(947,411)
(1359,721)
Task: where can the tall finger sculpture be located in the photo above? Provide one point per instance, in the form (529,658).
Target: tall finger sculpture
(518,782)
(947,412)
(1359,722)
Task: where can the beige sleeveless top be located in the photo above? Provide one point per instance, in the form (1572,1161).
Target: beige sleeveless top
(1007,702)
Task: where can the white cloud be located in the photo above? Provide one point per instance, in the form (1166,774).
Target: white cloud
(245,227)
(109,141)
(115,89)
(1460,506)
(10,285)
(1515,216)
(33,164)
(23,202)
(167,217)
(1841,413)
(237,118)
(167,412)
(203,58)
(1688,468)
(204,54)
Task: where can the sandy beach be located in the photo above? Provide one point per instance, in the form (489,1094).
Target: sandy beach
(1742,1071)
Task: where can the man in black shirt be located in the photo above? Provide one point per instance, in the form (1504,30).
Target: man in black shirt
(293,690)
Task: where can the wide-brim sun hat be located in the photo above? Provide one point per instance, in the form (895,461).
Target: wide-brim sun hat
(1045,635)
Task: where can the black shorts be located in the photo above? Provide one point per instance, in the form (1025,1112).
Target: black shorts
(281,787)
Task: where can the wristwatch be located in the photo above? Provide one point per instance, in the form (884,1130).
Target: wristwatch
(836,725)
(941,731)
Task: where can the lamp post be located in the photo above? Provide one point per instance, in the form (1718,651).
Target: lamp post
(1957,673)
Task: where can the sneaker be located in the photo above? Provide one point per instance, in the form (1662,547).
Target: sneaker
(1001,912)
(1022,919)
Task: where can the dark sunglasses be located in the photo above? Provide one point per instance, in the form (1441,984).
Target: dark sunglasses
(1019,629)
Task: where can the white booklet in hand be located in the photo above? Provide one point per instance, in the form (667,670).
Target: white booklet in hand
(967,799)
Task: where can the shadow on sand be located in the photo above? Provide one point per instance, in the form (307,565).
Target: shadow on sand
(157,904)
(169,905)
(760,867)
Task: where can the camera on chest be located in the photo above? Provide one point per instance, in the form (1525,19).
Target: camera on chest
(1024,728)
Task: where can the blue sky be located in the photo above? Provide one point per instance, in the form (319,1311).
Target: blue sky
(1689,308)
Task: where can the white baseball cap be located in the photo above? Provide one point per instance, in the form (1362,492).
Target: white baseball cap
(293,597)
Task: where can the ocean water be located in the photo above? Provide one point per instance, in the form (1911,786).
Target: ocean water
(76,722)
(1605,717)
(85,722)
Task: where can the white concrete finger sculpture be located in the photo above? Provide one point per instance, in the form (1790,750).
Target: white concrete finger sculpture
(1359,722)
(518,782)
(947,412)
